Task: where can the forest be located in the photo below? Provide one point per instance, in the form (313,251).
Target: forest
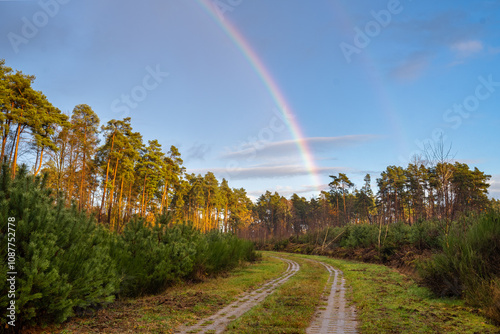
(129,213)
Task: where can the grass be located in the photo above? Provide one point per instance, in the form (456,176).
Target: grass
(181,304)
(386,302)
(289,309)
(389,302)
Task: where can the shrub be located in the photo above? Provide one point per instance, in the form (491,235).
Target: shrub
(425,235)
(361,235)
(398,235)
(62,259)
(220,252)
(279,245)
(150,258)
(469,265)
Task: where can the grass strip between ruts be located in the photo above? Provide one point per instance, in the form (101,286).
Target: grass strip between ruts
(291,307)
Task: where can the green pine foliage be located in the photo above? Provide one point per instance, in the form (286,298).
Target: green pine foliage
(66,262)
(219,252)
(469,265)
(362,235)
(62,261)
(151,258)
(423,235)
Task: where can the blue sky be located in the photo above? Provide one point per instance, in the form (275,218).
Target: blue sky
(368,81)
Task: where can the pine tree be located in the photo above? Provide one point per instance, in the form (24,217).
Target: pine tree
(149,170)
(84,129)
(171,175)
(63,257)
(6,105)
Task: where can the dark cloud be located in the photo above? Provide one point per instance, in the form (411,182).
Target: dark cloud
(412,67)
(197,152)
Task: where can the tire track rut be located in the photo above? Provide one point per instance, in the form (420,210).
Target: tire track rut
(336,316)
(218,322)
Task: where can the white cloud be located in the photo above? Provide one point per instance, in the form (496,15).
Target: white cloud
(288,191)
(494,189)
(290,147)
(467,48)
(464,49)
(470,162)
(266,171)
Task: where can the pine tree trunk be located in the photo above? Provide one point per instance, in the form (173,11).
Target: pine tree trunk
(143,195)
(129,206)
(164,198)
(41,159)
(14,163)
(106,180)
(83,172)
(225,219)
(120,207)
(345,212)
(111,193)
(70,178)
(4,142)
(5,135)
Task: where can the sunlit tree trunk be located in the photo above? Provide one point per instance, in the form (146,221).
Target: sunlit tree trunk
(40,165)
(106,180)
(112,191)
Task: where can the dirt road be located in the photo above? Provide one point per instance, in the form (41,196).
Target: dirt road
(334,316)
(219,321)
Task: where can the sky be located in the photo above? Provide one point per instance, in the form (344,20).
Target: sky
(275,95)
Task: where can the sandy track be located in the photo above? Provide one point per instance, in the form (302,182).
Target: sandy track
(219,321)
(335,316)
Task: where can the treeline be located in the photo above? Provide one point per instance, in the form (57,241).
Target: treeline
(442,191)
(66,262)
(108,170)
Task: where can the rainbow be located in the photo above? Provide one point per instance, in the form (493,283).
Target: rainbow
(279,99)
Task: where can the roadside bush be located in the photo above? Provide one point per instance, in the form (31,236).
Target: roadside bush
(398,235)
(62,259)
(469,265)
(425,235)
(332,236)
(279,245)
(361,235)
(150,258)
(219,252)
